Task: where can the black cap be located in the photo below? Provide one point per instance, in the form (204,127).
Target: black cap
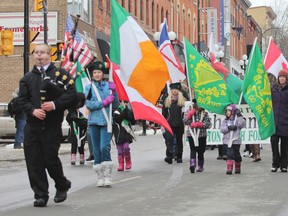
(98,65)
(175,86)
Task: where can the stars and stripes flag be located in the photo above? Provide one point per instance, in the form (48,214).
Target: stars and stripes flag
(84,56)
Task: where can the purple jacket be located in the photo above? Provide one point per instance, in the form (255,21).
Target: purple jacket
(280,109)
(236,134)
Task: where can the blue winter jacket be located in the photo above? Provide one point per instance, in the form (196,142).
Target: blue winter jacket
(96,116)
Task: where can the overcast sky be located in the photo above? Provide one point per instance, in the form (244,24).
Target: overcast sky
(260,3)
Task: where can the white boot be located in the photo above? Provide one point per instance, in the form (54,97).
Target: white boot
(108,165)
(99,169)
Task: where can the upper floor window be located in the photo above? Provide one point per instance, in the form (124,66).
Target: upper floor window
(81,7)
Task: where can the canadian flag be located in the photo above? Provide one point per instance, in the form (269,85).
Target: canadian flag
(274,60)
(142,109)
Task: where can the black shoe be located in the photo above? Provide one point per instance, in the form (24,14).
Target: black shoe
(40,202)
(274,169)
(61,196)
(168,160)
(90,158)
(283,170)
(142,134)
(220,157)
(18,147)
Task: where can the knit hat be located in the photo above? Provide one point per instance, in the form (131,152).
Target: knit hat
(175,86)
(231,107)
(283,73)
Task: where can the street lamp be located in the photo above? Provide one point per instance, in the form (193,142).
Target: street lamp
(218,53)
(172,35)
(243,64)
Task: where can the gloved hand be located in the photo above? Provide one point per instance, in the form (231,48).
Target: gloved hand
(232,127)
(191,113)
(194,125)
(200,125)
(238,113)
(112,86)
(108,100)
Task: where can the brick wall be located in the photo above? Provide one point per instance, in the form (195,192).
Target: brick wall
(11,68)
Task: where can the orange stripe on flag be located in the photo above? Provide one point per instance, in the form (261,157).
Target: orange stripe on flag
(150,74)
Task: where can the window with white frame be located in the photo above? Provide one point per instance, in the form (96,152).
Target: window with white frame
(81,7)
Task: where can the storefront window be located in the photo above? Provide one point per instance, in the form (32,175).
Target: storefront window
(82,7)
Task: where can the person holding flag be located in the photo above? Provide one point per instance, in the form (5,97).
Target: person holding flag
(280,107)
(230,125)
(99,95)
(197,119)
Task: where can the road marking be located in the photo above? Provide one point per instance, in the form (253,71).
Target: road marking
(127,179)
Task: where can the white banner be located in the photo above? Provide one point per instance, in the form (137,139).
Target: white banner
(15,22)
(212,23)
(249,134)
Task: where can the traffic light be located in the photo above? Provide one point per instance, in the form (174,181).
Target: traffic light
(38,5)
(53,53)
(32,36)
(7,46)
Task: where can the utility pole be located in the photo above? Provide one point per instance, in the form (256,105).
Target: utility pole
(26,36)
(198,44)
(45,11)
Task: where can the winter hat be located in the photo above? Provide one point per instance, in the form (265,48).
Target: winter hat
(98,65)
(283,73)
(231,107)
(175,86)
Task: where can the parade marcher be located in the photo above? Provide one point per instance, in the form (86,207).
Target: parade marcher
(198,119)
(123,120)
(255,148)
(78,128)
(280,107)
(173,112)
(20,120)
(42,134)
(99,95)
(231,126)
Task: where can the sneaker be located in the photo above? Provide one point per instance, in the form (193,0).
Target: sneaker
(82,159)
(274,169)
(283,169)
(73,159)
(246,154)
(18,147)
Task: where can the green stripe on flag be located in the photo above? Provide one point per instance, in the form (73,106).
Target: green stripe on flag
(118,17)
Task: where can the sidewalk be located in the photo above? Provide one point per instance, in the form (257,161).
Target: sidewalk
(8,153)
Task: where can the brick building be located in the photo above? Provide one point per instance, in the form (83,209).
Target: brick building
(181,16)
(12,68)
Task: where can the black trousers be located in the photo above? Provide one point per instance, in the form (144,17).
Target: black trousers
(178,132)
(41,148)
(279,159)
(197,149)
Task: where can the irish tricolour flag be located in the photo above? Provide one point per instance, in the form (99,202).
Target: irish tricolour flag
(142,67)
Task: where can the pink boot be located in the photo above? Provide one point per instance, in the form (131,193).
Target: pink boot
(237,167)
(120,163)
(128,161)
(229,167)
(82,159)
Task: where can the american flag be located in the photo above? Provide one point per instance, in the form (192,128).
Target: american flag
(84,57)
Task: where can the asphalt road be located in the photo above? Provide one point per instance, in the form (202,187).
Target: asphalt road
(152,187)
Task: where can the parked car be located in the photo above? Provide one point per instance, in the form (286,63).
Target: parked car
(7,124)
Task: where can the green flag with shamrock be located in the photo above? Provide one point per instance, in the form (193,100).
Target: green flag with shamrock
(257,93)
(211,91)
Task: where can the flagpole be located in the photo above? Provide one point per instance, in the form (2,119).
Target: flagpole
(241,96)
(270,39)
(186,64)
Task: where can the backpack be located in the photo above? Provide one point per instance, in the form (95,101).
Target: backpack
(14,106)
